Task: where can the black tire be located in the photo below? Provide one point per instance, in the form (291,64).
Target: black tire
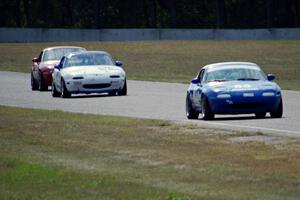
(112,94)
(34,85)
(207,114)
(260,115)
(190,112)
(42,86)
(123,92)
(64,91)
(54,91)
(278,112)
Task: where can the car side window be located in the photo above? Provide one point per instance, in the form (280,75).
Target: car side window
(200,76)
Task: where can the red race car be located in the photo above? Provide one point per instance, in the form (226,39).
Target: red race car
(43,66)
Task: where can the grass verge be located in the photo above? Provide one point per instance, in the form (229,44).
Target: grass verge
(59,155)
(176,61)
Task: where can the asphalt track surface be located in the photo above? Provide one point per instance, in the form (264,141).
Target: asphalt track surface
(151,100)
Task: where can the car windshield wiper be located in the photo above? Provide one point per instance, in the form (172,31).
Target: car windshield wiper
(247,79)
(218,80)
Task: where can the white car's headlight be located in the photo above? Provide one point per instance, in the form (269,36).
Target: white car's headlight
(67,77)
(123,74)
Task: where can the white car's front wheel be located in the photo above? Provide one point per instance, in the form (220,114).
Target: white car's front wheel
(54,91)
(123,92)
(64,91)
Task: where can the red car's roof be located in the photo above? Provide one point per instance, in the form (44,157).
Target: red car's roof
(62,47)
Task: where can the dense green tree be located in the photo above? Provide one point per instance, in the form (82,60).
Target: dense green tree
(150,13)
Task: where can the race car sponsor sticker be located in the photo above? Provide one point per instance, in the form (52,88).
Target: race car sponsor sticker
(244,87)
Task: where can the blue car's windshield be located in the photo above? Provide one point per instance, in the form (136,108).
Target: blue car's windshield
(88,60)
(232,74)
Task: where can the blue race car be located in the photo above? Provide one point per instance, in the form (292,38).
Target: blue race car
(233,88)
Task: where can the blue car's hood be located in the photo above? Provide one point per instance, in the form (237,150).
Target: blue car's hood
(242,85)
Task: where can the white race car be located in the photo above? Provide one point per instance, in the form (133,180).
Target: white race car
(88,72)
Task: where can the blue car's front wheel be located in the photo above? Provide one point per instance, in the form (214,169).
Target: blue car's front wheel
(191,113)
(278,112)
(260,115)
(207,113)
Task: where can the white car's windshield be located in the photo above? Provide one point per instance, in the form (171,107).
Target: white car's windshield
(88,60)
(231,74)
(56,54)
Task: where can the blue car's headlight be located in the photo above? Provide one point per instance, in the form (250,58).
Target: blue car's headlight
(223,96)
(220,89)
(268,94)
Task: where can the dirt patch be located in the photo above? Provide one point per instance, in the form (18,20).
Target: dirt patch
(271,140)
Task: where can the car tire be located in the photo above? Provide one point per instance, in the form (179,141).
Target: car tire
(123,92)
(260,115)
(206,111)
(34,85)
(42,86)
(278,112)
(64,91)
(111,93)
(191,113)
(54,91)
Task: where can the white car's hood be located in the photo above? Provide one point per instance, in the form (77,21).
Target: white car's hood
(93,70)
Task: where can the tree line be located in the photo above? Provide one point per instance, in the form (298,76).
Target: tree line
(150,13)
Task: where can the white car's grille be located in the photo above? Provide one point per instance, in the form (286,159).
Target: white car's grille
(96,86)
(114,76)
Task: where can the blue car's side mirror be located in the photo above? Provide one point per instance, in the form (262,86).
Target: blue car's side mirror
(57,66)
(118,63)
(271,77)
(195,81)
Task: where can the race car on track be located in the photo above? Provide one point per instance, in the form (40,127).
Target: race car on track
(88,72)
(43,66)
(233,88)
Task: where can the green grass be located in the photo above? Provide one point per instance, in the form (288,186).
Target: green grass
(176,61)
(59,155)
(24,180)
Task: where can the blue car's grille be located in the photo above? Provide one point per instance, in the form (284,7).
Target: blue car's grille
(247,105)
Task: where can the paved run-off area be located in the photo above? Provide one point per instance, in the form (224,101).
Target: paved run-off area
(152,100)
